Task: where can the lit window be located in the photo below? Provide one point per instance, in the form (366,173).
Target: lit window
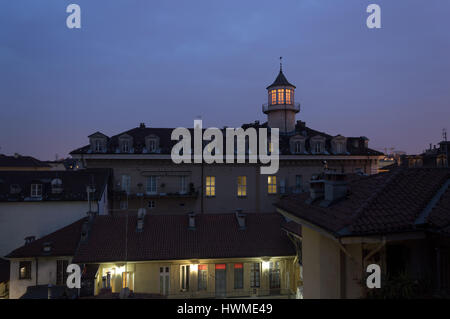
(280,96)
(255,275)
(242,186)
(202,277)
(270,148)
(36,190)
(238,276)
(273,94)
(125,279)
(152,185)
(271,184)
(288,97)
(185,277)
(164,280)
(25,270)
(210,186)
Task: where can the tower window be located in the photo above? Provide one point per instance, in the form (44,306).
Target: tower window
(280,96)
(288,97)
(273,95)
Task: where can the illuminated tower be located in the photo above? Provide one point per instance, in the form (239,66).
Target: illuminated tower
(281,107)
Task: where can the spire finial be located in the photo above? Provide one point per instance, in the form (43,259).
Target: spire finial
(281,64)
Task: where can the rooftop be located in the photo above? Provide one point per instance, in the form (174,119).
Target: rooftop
(15,186)
(402,200)
(19,161)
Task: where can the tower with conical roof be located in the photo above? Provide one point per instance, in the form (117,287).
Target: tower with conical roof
(281,107)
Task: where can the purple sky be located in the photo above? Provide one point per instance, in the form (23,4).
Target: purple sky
(165,63)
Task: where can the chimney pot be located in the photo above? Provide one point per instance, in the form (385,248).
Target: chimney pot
(240,218)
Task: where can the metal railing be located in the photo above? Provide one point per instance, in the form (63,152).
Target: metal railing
(294,106)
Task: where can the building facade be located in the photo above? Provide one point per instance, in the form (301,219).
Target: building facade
(146,177)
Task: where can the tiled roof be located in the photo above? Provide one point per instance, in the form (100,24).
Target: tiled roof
(379,204)
(280,81)
(73,184)
(166,237)
(21,161)
(63,242)
(165,143)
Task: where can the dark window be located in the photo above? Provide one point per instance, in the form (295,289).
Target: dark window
(255,275)
(61,273)
(202,277)
(274,275)
(238,276)
(25,270)
(185,278)
(396,260)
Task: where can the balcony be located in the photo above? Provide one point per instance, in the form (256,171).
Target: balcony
(266,108)
(119,194)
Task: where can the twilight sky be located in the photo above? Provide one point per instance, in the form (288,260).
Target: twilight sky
(166,62)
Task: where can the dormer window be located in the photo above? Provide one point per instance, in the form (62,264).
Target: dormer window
(152,143)
(36,190)
(125,143)
(98,146)
(298,147)
(318,147)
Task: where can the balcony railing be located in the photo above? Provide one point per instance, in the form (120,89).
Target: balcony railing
(121,194)
(268,107)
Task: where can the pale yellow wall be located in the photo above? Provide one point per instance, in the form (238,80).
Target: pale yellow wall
(323,270)
(147,277)
(257,199)
(46,274)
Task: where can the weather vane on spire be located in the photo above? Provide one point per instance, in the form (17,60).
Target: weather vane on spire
(281,63)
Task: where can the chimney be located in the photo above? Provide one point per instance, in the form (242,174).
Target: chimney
(335,187)
(140,219)
(240,217)
(29,240)
(316,187)
(191,221)
(142,125)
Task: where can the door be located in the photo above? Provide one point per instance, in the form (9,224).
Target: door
(164,280)
(221,280)
(274,277)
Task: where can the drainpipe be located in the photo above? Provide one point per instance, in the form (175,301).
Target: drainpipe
(36,269)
